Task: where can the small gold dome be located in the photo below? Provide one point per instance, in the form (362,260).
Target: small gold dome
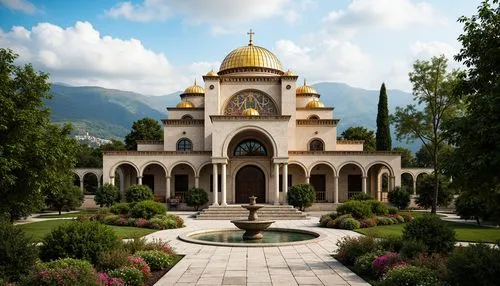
(289,73)
(194,89)
(305,89)
(211,73)
(250,112)
(315,103)
(185,104)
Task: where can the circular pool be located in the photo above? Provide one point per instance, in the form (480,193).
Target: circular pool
(233,237)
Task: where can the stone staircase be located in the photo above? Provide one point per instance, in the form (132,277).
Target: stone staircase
(268,212)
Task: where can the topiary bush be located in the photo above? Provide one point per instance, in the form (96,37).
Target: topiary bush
(361,197)
(430,229)
(196,197)
(17,251)
(120,209)
(138,193)
(410,276)
(350,248)
(156,259)
(147,209)
(78,239)
(349,223)
(62,272)
(473,265)
(358,209)
(378,208)
(107,195)
(301,196)
(399,198)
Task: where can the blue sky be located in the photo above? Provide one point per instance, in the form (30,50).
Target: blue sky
(157,46)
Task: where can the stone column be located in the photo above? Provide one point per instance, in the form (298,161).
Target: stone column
(414,187)
(307,180)
(223,184)
(277,183)
(285,181)
(168,195)
(139,180)
(98,182)
(215,185)
(196,182)
(363,185)
(112,180)
(392,183)
(81,185)
(336,189)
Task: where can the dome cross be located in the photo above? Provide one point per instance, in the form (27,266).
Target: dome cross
(250,33)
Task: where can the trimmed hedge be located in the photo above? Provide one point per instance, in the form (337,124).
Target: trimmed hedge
(138,193)
(358,209)
(147,209)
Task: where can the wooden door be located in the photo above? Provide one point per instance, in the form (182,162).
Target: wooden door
(250,181)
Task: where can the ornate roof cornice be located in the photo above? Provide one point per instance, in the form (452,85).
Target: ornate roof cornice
(183,122)
(316,122)
(249,78)
(316,108)
(345,153)
(250,118)
(150,142)
(350,142)
(185,109)
(157,153)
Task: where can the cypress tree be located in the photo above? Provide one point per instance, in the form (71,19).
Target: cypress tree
(383,136)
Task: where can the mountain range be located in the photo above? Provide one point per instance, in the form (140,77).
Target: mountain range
(109,113)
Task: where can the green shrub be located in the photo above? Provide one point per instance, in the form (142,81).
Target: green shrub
(382,220)
(120,209)
(361,197)
(78,239)
(430,229)
(147,209)
(391,243)
(138,193)
(474,265)
(425,192)
(134,245)
(336,223)
(163,222)
(399,218)
(160,246)
(392,210)
(17,251)
(412,247)
(435,261)
(112,259)
(196,197)
(156,259)
(358,209)
(131,276)
(378,208)
(323,220)
(301,196)
(107,195)
(363,264)
(410,276)
(399,198)
(349,223)
(407,217)
(350,248)
(62,272)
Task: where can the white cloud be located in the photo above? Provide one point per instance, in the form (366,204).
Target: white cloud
(426,50)
(392,14)
(79,55)
(21,5)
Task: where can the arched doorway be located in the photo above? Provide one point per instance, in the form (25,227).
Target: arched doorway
(250,181)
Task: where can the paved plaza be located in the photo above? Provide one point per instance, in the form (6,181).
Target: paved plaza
(305,264)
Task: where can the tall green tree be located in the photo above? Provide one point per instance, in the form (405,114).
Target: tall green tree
(407,159)
(476,159)
(383,135)
(36,156)
(143,129)
(360,133)
(433,90)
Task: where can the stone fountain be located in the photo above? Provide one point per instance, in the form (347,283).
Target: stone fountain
(253,226)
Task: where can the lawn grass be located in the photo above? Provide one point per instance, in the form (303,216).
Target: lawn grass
(38,230)
(464,232)
(64,215)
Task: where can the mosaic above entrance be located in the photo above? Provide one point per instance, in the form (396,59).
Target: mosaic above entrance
(250,99)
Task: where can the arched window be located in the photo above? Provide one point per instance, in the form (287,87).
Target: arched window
(315,117)
(250,148)
(184,144)
(316,145)
(187,117)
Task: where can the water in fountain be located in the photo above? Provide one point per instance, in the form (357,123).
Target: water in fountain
(253,227)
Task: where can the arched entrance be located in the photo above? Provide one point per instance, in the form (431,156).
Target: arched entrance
(250,181)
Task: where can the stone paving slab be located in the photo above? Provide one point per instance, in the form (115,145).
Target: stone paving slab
(306,264)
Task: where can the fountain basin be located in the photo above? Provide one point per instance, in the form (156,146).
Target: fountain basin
(253,228)
(232,237)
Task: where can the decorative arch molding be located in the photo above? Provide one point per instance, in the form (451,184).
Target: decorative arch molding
(113,169)
(250,98)
(261,130)
(143,167)
(415,172)
(310,147)
(335,173)
(304,168)
(81,172)
(313,117)
(385,164)
(363,171)
(175,164)
(411,175)
(203,165)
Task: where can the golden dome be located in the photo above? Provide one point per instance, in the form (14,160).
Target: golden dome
(211,73)
(315,103)
(194,89)
(289,73)
(185,104)
(250,112)
(305,89)
(251,56)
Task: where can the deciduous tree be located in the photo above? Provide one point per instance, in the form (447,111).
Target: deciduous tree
(143,129)
(360,133)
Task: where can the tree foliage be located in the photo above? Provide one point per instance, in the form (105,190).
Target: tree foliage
(37,157)
(399,198)
(425,191)
(107,195)
(143,129)
(433,91)
(196,197)
(383,137)
(407,158)
(68,198)
(360,133)
(301,196)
